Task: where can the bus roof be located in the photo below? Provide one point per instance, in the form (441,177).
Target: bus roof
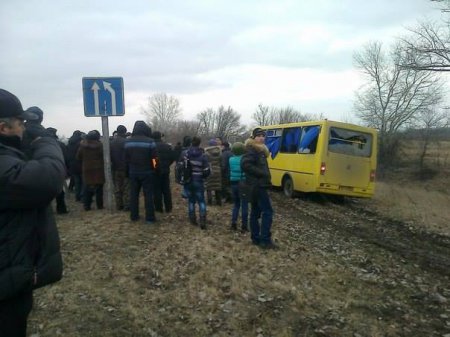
(321,122)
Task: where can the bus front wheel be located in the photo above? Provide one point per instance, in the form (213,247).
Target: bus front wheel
(288,187)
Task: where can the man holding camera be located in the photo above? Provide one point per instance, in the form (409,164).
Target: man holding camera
(29,242)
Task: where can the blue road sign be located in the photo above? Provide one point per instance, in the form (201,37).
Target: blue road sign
(103,96)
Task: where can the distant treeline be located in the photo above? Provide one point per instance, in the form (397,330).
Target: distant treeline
(436,134)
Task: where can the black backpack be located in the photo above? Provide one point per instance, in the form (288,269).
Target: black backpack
(183,171)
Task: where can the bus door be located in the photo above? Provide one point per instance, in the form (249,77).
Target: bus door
(308,159)
(349,159)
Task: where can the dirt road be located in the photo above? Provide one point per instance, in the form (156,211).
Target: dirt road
(397,257)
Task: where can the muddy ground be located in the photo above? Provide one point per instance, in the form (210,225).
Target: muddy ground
(342,269)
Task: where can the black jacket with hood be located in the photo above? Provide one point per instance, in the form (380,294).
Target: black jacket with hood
(117,148)
(254,164)
(140,150)
(166,156)
(29,242)
(72,149)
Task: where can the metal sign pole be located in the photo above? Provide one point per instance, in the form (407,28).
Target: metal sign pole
(104,96)
(107,164)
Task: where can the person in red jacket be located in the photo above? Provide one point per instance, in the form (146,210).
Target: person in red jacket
(29,242)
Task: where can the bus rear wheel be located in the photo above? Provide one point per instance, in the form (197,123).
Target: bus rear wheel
(288,187)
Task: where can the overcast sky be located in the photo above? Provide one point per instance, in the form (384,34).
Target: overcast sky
(236,53)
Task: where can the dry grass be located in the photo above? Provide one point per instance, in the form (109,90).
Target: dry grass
(437,155)
(416,203)
(172,279)
(422,200)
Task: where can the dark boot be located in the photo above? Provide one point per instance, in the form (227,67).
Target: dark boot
(193,219)
(209,197)
(203,221)
(233,226)
(218,198)
(61,207)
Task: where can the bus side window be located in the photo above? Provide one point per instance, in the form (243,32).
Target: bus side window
(308,142)
(350,142)
(273,141)
(290,140)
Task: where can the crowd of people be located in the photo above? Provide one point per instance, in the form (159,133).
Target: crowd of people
(35,165)
(141,160)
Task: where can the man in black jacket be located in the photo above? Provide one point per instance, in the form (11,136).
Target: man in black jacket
(258,180)
(61,207)
(140,158)
(119,168)
(29,242)
(76,181)
(166,156)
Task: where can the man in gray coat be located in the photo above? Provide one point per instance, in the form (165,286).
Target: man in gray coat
(29,242)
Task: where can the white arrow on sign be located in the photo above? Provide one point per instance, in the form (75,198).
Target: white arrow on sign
(95,88)
(109,88)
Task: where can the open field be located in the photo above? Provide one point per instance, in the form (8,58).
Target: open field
(423,205)
(352,268)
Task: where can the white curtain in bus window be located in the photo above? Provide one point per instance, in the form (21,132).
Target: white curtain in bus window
(273,141)
(350,142)
(290,140)
(308,142)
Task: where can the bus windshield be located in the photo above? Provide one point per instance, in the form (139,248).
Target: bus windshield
(350,142)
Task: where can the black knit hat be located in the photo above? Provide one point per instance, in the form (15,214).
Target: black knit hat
(93,135)
(52,132)
(37,111)
(121,130)
(156,135)
(258,132)
(187,140)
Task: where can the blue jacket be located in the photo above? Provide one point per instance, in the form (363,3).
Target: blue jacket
(236,173)
(199,162)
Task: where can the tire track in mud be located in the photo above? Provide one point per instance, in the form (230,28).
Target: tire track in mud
(349,218)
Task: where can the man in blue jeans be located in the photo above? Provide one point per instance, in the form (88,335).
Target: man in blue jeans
(195,189)
(258,180)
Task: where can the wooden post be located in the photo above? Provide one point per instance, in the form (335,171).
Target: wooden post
(107,164)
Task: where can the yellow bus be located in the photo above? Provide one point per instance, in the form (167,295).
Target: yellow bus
(323,156)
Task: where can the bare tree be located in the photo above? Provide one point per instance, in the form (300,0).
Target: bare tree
(427,48)
(314,116)
(221,123)
(265,115)
(445,5)
(393,95)
(182,128)
(427,121)
(228,122)
(289,115)
(162,111)
(207,121)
